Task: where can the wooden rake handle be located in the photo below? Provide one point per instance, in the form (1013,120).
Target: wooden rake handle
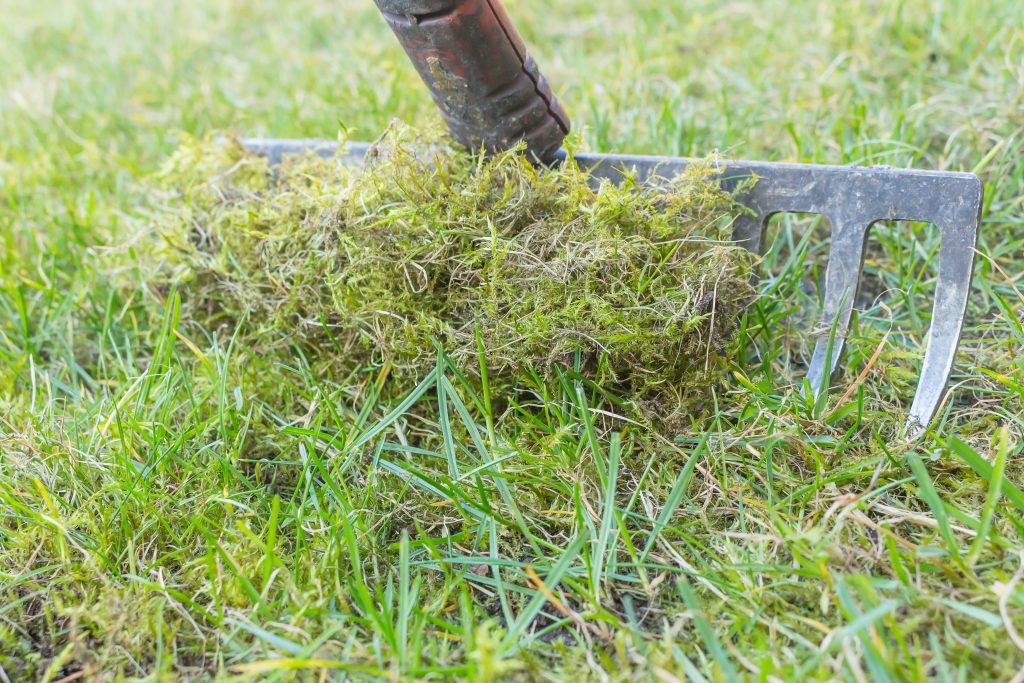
(489,90)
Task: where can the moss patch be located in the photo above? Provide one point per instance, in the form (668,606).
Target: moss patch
(638,289)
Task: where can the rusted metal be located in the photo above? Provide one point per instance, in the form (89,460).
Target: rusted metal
(489,90)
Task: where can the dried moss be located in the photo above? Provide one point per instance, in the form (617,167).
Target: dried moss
(635,287)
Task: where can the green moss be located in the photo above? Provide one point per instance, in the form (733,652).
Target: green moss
(636,288)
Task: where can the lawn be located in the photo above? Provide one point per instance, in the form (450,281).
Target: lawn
(176,504)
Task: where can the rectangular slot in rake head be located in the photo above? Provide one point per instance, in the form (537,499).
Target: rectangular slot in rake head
(852,198)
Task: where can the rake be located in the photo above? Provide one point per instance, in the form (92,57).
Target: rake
(492,96)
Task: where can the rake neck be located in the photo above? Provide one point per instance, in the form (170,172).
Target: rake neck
(489,90)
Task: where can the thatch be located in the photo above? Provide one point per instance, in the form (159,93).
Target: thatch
(427,244)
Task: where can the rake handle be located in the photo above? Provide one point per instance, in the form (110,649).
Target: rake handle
(489,90)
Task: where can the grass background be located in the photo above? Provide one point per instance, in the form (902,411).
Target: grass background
(173,508)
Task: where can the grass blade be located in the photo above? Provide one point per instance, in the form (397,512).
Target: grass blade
(927,492)
(607,515)
(514,636)
(985,470)
(992,498)
(706,632)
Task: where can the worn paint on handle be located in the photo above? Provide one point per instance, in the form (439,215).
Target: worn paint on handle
(490,92)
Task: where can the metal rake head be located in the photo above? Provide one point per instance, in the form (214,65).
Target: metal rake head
(492,95)
(852,198)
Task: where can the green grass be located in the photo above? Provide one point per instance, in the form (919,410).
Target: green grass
(177,506)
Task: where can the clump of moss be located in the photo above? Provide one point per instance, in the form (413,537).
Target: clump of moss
(427,244)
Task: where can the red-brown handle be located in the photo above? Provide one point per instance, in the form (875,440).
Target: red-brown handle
(488,89)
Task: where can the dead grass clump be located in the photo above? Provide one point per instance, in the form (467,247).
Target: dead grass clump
(429,244)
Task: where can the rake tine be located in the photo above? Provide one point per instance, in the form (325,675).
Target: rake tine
(842,280)
(956,262)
